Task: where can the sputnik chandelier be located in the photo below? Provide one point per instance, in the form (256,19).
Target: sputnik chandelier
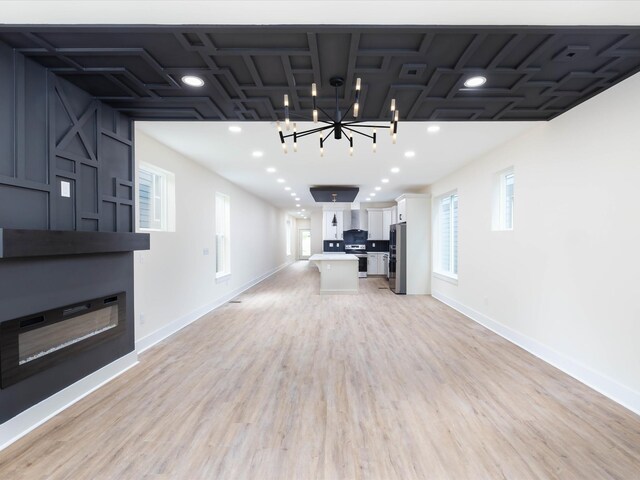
(336,124)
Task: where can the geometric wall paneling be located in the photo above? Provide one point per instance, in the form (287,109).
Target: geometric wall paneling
(52,131)
(534,73)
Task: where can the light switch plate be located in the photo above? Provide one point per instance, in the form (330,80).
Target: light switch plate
(373,244)
(65,189)
(331,244)
(205,251)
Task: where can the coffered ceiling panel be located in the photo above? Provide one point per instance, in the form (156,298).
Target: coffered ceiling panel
(533,73)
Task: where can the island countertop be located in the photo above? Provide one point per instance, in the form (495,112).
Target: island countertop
(332,257)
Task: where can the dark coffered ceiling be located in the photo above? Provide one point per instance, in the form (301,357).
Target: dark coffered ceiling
(533,73)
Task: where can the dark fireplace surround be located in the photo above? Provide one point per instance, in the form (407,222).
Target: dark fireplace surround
(54,279)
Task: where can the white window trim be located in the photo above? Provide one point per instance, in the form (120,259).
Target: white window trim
(499,223)
(436,271)
(168,198)
(225,274)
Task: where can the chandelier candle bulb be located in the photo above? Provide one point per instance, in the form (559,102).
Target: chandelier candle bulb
(356,105)
(286,110)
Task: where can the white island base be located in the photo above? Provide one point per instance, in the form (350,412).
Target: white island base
(338,272)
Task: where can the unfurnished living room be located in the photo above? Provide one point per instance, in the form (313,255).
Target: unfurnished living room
(319,240)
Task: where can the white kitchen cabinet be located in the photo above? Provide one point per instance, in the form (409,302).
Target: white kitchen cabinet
(402,210)
(375,223)
(332,232)
(386,223)
(394,214)
(372,264)
(377,264)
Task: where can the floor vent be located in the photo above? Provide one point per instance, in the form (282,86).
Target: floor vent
(235,301)
(383,288)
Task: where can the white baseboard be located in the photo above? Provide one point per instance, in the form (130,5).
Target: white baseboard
(178,324)
(23,423)
(610,388)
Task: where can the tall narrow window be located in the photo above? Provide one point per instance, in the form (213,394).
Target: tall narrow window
(504,200)
(223,242)
(155,198)
(288,234)
(447,238)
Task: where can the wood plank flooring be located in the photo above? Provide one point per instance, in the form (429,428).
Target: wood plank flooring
(289,384)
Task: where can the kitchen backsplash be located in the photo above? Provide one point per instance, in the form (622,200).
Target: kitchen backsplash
(334,246)
(377,245)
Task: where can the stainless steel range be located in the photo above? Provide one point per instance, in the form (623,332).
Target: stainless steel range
(360,251)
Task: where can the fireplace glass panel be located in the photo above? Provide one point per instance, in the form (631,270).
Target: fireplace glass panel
(39,342)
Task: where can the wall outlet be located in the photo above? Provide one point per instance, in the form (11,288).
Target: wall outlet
(373,245)
(205,251)
(143,319)
(331,245)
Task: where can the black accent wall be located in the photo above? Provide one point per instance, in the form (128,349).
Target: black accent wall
(51,131)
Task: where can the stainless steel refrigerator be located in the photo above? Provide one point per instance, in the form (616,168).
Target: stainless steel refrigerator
(398,258)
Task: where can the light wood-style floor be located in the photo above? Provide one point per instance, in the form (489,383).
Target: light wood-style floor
(292,385)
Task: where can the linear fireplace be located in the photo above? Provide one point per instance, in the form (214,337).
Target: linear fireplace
(31,344)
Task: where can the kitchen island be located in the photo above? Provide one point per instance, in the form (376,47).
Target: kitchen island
(338,272)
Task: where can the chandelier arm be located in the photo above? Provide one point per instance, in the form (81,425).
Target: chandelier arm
(325,114)
(348,110)
(311,132)
(357,124)
(330,132)
(306,132)
(359,133)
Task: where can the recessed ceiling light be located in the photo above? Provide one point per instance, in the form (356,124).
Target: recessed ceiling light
(297,204)
(297,199)
(257,154)
(192,81)
(395,170)
(235,129)
(433,128)
(410,154)
(303,209)
(385,180)
(378,188)
(367,199)
(372,194)
(472,82)
(287,188)
(280,180)
(271,170)
(293,194)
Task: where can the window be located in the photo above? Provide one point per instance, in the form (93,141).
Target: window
(503,202)
(288,235)
(156,204)
(446,256)
(223,242)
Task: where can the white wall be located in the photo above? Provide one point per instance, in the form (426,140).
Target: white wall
(565,282)
(175,279)
(316,232)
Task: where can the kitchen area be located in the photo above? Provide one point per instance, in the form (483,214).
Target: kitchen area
(387,240)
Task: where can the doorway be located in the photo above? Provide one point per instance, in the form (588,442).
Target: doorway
(304,244)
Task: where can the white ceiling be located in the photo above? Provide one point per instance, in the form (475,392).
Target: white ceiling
(397,12)
(231,156)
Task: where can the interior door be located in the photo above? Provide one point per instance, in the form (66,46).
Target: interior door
(304,244)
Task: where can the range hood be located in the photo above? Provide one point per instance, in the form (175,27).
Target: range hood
(356,224)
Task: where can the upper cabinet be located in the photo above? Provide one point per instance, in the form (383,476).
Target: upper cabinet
(375,223)
(330,231)
(379,223)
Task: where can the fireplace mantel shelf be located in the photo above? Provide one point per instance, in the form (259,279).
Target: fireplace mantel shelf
(15,243)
